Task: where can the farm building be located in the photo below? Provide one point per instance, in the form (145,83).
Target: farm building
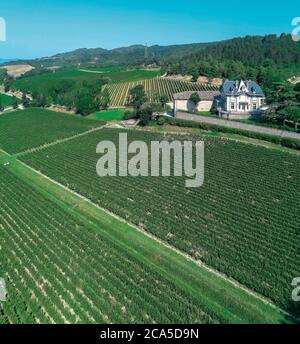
(183,102)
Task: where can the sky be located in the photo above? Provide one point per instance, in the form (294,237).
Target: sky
(44,28)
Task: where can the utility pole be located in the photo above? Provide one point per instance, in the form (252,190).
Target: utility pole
(146,52)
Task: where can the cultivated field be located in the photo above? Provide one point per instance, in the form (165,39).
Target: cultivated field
(46,81)
(23,130)
(59,269)
(66,261)
(154,88)
(243,221)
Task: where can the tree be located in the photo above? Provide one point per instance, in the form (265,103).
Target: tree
(7,85)
(85,104)
(15,103)
(1,106)
(292,114)
(25,100)
(163,99)
(137,97)
(195,99)
(297,87)
(145,116)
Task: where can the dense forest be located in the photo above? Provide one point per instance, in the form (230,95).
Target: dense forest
(247,57)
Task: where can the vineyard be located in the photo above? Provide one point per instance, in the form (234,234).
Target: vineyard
(60,270)
(243,221)
(154,88)
(33,127)
(62,265)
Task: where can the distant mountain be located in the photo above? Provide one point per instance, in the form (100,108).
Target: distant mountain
(250,50)
(120,56)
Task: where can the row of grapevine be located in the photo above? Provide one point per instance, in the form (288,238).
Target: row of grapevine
(33,127)
(243,221)
(60,270)
(154,88)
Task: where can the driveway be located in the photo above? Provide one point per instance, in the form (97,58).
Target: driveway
(237,125)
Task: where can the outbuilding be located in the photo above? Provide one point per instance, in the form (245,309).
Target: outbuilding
(182,101)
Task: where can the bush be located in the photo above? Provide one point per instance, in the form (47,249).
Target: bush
(161,120)
(130,114)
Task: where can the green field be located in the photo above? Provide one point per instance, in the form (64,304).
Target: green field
(8,101)
(109,115)
(243,221)
(118,74)
(68,271)
(154,88)
(66,261)
(33,127)
(46,81)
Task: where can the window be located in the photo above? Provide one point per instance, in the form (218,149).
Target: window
(254,106)
(232,106)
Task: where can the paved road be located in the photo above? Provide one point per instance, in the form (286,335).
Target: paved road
(237,125)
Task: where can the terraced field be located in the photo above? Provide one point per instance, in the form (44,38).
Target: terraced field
(154,88)
(23,130)
(243,221)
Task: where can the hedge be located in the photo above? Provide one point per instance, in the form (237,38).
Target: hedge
(284,141)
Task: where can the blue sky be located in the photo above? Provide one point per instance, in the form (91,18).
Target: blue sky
(43,28)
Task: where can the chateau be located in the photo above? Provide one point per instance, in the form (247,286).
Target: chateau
(241,97)
(237,99)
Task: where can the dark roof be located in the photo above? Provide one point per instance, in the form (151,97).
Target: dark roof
(204,95)
(232,88)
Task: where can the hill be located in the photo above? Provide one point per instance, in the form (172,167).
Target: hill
(244,57)
(132,55)
(249,50)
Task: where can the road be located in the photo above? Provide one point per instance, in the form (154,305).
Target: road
(237,125)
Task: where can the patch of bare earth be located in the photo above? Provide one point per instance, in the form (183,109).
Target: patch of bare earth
(294,79)
(18,70)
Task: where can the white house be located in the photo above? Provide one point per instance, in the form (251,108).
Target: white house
(237,99)
(182,101)
(241,98)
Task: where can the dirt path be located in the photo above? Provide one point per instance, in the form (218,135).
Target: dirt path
(31,150)
(237,125)
(91,71)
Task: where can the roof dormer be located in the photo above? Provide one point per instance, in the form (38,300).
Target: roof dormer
(242,87)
